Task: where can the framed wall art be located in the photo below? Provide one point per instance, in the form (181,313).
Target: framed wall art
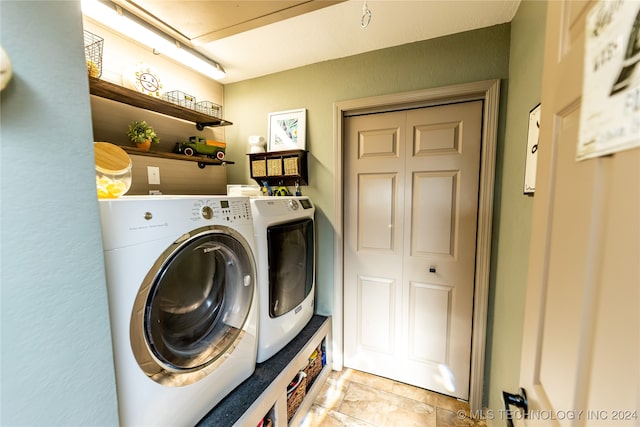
(610,107)
(287,130)
(532,151)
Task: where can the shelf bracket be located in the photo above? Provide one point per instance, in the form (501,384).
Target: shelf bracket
(202,125)
(203,165)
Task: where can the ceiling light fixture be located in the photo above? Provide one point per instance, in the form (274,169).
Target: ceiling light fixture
(114,17)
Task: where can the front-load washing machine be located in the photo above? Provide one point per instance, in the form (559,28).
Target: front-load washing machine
(285,241)
(181,278)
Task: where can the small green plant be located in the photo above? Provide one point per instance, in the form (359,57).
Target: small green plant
(140,131)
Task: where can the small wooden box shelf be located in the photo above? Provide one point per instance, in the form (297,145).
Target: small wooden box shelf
(279,167)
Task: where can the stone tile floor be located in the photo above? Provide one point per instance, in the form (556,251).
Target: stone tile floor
(354,398)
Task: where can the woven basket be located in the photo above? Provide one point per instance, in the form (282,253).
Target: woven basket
(313,368)
(297,395)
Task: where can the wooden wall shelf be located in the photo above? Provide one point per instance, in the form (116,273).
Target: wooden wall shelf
(202,161)
(114,92)
(122,94)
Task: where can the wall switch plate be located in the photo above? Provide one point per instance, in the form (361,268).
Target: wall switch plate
(153,173)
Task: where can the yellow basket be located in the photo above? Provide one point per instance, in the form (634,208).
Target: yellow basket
(314,367)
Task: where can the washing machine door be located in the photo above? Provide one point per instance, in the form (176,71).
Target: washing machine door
(192,306)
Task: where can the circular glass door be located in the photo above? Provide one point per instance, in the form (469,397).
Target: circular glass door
(193,309)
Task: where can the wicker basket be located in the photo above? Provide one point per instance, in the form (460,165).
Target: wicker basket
(314,367)
(295,394)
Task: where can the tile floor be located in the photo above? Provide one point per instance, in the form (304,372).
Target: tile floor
(354,398)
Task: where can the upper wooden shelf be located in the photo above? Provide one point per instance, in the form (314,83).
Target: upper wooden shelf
(122,94)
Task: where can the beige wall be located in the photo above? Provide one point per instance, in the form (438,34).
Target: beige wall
(512,222)
(472,56)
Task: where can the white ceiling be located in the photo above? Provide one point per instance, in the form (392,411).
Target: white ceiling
(335,31)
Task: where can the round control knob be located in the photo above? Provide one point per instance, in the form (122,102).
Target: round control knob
(293,204)
(207,212)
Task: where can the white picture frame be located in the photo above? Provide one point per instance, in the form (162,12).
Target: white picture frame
(287,130)
(533,138)
(610,103)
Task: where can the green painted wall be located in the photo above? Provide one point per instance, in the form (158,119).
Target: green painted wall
(472,56)
(512,221)
(512,52)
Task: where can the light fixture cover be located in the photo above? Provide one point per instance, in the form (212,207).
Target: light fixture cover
(128,25)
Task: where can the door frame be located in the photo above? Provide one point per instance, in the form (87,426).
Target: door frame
(487,91)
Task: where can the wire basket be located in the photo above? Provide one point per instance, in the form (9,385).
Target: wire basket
(93,45)
(209,108)
(180,98)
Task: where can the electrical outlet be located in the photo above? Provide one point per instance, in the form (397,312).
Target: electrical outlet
(153,173)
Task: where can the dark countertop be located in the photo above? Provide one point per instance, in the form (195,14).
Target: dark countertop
(232,407)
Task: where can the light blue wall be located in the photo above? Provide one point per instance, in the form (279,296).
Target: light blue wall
(56,358)
(471,56)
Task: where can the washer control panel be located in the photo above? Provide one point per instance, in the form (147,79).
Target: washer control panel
(232,210)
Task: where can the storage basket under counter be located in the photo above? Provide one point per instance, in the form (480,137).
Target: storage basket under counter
(314,366)
(303,381)
(295,393)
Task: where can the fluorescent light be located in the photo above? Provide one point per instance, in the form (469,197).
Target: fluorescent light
(120,21)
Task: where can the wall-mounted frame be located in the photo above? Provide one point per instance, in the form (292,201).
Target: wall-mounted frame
(287,130)
(532,150)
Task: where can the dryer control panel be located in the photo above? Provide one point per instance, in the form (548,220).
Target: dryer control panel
(279,206)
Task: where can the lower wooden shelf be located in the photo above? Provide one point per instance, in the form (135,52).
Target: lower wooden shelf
(174,156)
(266,390)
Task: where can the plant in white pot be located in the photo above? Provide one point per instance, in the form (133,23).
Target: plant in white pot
(142,134)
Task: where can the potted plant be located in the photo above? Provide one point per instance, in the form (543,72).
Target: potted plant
(142,134)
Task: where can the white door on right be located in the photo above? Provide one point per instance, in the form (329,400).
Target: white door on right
(411,203)
(580,354)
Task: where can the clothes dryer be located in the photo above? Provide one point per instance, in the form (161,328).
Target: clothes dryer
(181,278)
(285,241)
